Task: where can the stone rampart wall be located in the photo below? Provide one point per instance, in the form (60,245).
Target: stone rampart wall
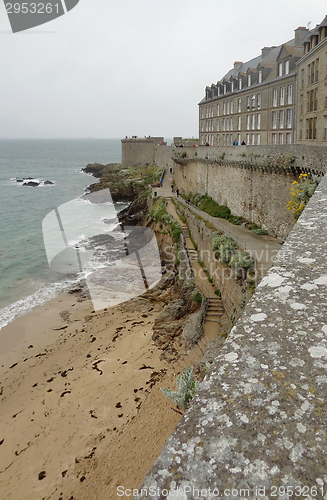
(259,421)
(259,195)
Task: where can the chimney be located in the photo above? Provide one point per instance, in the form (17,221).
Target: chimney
(300,34)
(265,51)
(237,65)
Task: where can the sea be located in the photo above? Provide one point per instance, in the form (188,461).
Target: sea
(30,213)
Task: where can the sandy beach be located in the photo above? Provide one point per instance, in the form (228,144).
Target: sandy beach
(81,406)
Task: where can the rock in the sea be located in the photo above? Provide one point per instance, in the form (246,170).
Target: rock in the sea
(19,180)
(31,183)
(48,183)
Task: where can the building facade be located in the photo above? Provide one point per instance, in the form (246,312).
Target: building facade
(312,88)
(279,97)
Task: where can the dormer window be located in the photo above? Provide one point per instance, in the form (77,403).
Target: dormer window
(280,69)
(218,90)
(260,77)
(240,83)
(232,86)
(249,80)
(287,67)
(225,88)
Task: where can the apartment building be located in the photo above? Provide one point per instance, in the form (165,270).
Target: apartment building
(312,88)
(255,102)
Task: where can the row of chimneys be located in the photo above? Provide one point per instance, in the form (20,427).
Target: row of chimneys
(300,34)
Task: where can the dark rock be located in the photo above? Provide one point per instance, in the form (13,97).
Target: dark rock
(31,183)
(19,180)
(48,183)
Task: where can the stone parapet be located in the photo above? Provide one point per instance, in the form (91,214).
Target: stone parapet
(259,418)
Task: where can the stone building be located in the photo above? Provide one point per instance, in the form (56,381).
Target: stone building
(254,102)
(312,88)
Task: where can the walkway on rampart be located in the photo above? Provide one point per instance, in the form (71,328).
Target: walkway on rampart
(263,248)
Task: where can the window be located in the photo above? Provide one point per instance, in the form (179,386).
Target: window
(225,89)
(224,139)
(248,122)
(289,137)
(258,121)
(274,119)
(258,139)
(281,139)
(249,80)
(325,129)
(253,122)
(317,70)
(232,86)
(224,109)
(302,78)
(308,73)
(253,101)
(232,107)
(224,124)
(289,94)
(239,138)
(281,118)
(248,102)
(240,83)
(275,98)
(218,125)
(239,123)
(228,107)
(248,139)
(289,118)
(253,139)
(311,128)
(240,105)
(217,139)
(260,77)
(218,90)
(218,110)
(282,96)
(231,124)
(280,69)
(287,67)
(227,124)
(259,101)
(274,139)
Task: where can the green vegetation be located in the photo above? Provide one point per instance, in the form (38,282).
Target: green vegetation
(159,214)
(224,247)
(218,293)
(197,297)
(186,389)
(301,192)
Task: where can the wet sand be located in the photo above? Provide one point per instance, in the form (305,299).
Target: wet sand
(81,406)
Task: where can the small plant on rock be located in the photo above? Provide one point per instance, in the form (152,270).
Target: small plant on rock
(186,389)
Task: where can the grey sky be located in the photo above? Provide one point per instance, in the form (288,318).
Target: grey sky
(115,68)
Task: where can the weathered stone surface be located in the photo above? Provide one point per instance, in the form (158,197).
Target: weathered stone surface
(193,327)
(260,417)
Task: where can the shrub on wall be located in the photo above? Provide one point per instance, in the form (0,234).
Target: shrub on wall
(224,247)
(301,192)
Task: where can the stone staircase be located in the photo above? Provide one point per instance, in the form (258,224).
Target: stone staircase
(215,309)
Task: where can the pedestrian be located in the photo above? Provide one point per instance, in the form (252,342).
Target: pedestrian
(243,143)
(177,192)
(171,170)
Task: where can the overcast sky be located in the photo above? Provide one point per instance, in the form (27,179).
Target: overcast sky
(111,68)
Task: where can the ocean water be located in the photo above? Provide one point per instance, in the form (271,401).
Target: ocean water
(26,279)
